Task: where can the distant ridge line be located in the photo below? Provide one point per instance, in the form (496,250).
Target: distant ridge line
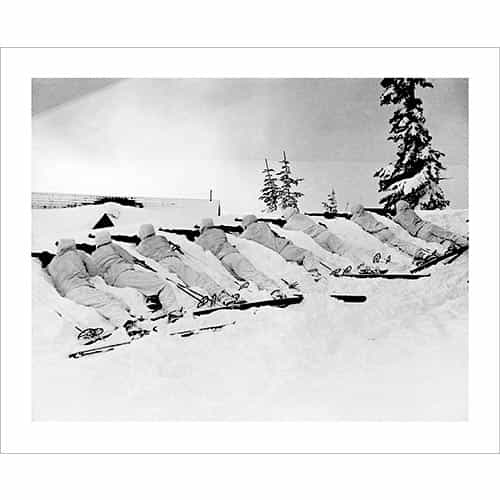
(41,200)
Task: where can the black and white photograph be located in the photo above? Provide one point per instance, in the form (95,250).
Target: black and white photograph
(250,249)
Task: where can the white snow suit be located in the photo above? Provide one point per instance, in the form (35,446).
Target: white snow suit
(380,231)
(411,222)
(116,267)
(260,232)
(71,271)
(215,241)
(158,248)
(324,238)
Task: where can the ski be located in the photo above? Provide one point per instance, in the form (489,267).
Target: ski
(455,256)
(435,260)
(197,331)
(158,318)
(242,306)
(349,298)
(97,350)
(387,276)
(111,347)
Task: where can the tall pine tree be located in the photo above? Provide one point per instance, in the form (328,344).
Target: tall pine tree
(287,196)
(270,191)
(416,173)
(330,205)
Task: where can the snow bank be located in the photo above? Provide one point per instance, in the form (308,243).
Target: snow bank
(401,355)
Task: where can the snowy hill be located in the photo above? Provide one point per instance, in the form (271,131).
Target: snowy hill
(401,355)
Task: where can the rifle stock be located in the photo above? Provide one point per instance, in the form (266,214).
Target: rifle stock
(44,257)
(190,234)
(329,215)
(230,229)
(85,247)
(347,215)
(386,212)
(125,238)
(278,222)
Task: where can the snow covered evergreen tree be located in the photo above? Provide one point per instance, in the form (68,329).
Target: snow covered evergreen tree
(330,205)
(416,173)
(270,191)
(286,196)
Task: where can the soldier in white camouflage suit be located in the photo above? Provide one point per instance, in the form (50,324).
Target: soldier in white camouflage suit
(371,225)
(71,271)
(117,267)
(411,222)
(158,248)
(215,241)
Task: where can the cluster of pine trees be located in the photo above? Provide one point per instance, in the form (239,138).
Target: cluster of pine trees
(279,190)
(415,174)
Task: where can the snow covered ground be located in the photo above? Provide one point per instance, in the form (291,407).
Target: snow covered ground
(401,355)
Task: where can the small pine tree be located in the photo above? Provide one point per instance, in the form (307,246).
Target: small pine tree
(287,197)
(270,191)
(330,205)
(416,173)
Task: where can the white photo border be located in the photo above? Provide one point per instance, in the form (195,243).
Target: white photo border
(20,434)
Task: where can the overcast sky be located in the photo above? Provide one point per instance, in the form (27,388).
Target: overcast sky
(182,137)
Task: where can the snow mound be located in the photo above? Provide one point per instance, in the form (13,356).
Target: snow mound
(401,355)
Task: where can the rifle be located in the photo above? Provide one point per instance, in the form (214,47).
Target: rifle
(192,234)
(346,215)
(44,257)
(278,222)
(135,240)
(330,215)
(122,237)
(85,247)
(386,212)
(225,228)
(230,229)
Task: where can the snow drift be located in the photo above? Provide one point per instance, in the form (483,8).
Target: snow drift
(401,355)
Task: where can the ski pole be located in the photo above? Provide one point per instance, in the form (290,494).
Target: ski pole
(201,299)
(178,285)
(82,331)
(185,288)
(192,293)
(326,266)
(66,318)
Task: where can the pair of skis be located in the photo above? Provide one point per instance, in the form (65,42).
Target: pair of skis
(447,258)
(111,347)
(339,296)
(193,331)
(347,274)
(243,306)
